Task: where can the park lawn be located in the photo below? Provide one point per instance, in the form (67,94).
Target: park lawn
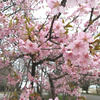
(92,94)
(60,97)
(48,96)
(1,92)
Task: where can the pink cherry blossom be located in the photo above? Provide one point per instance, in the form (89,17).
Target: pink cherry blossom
(31,47)
(78,46)
(85,37)
(54,53)
(58,27)
(69,55)
(55,98)
(85,59)
(70,4)
(55,6)
(93,3)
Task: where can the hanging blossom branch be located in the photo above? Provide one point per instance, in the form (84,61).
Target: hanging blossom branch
(50,31)
(63,3)
(13,4)
(91,21)
(43,24)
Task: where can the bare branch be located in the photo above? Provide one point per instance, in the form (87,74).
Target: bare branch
(91,14)
(91,23)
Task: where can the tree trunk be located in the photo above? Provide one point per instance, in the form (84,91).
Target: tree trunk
(64,96)
(69,97)
(87,92)
(41,90)
(38,90)
(33,71)
(52,87)
(97,89)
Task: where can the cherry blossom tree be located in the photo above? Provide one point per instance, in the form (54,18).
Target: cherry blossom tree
(53,52)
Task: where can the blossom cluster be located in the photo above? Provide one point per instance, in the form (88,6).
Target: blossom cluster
(54,54)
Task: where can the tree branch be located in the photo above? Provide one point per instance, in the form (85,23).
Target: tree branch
(91,23)
(91,14)
(48,59)
(55,78)
(63,3)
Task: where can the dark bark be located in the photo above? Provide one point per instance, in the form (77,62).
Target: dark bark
(86,87)
(64,96)
(87,92)
(32,68)
(97,89)
(52,87)
(69,97)
(33,71)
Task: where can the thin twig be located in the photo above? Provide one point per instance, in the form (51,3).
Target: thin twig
(91,23)
(91,15)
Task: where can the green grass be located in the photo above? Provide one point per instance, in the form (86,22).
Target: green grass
(60,97)
(1,92)
(49,96)
(92,94)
